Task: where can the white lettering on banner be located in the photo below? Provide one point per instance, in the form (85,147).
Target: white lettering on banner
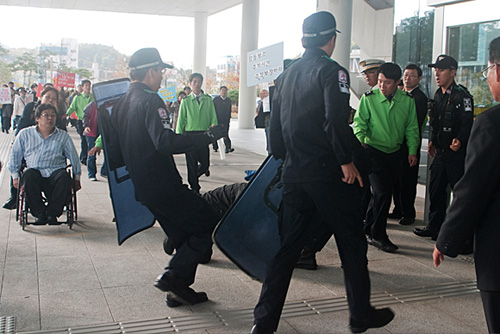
(266,73)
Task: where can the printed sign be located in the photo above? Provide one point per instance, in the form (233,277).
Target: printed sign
(5,95)
(65,79)
(167,94)
(264,65)
(39,90)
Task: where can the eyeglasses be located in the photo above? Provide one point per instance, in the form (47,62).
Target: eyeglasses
(485,71)
(51,115)
(368,72)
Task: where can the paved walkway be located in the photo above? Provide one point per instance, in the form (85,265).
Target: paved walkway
(53,278)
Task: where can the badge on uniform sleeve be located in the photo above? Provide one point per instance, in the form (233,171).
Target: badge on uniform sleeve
(467,104)
(165,118)
(343,85)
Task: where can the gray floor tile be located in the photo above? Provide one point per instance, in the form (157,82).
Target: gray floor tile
(74,308)
(67,273)
(140,302)
(20,278)
(25,308)
(115,270)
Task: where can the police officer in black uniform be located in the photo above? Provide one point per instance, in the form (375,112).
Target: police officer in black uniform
(451,115)
(310,131)
(141,129)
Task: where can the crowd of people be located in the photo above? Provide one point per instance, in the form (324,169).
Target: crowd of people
(344,176)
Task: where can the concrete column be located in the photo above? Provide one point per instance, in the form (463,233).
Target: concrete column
(249,42)
(342,10)
(200,44)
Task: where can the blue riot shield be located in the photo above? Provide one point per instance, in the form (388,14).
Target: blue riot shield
(248,234)
(131,216)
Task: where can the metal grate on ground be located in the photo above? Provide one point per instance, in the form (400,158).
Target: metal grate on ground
(7,325)
(292,309)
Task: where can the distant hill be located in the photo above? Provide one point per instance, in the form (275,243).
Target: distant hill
(106,56)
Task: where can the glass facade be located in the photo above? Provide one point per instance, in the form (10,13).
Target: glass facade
(468,44)
(413,37)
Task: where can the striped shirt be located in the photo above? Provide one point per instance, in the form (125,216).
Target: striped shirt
(47,155)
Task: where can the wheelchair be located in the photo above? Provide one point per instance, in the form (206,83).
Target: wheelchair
(23,212)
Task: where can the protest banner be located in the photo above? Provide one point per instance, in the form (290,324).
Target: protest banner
(167,94)
(5,95)
(264,65)
(65,79)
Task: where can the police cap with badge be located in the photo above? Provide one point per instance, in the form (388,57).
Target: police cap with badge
(449,123)
(445,62)
(146,58)
(369,64)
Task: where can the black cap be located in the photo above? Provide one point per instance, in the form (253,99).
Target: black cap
(145,58)
(445,62)
(319,24)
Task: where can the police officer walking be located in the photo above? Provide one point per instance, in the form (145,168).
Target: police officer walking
(310,131)
(142,129)
(451,117)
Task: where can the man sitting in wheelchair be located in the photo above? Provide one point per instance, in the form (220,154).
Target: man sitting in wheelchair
(45,150)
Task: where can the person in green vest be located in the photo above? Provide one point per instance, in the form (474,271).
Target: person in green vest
(196,115)
(385,117)
(77,106)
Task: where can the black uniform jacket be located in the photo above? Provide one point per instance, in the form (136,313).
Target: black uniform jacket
(309,119)
(147,142)
(460,103)
(476,202)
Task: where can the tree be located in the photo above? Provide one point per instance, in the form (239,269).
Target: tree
(4,68)
(25,63)
(83,73)
(233,94)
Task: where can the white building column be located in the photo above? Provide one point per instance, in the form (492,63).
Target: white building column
(200,44)
(249,42)
(342,10)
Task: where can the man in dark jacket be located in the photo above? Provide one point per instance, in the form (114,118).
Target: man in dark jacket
(476,201)
(222,105)
(310,132)
(147,143)
(451,121)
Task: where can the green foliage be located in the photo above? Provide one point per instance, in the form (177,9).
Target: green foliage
(27,64)
(233,94)
(5,75)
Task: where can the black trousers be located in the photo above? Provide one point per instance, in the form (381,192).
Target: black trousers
(56,187)
(491,306)
(384,166)
(198,162)
(189,220)
(83,139)
(446,169)
(227,140)
(337,203)
(405,188)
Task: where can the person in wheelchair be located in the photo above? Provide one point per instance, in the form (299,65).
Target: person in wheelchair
(45,149)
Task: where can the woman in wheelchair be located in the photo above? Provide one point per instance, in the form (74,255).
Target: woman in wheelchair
(45,150)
